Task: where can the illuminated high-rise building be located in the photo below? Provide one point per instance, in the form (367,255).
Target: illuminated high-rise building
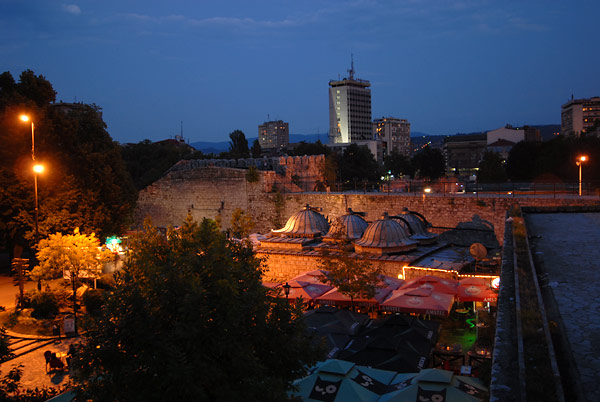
(394,135)
(349,110)
(274,134)
(578,115)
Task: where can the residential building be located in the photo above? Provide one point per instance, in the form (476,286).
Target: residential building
(579,115)
(507,133)
(463,153)
(274,135)
(394,135)
(349,110)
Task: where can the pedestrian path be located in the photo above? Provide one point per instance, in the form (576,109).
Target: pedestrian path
(569,246)
(29,354)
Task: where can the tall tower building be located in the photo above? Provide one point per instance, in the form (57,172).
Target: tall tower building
(349,110)
(274,134)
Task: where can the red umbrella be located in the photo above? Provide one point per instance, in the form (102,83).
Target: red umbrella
(434,283)
(306,290)
(419,301)
(311,276)
(472,281)
(335,297)
(477,293)
(391,282)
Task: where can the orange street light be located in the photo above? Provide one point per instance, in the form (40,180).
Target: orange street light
(26,118)
(37,168)
(579,162)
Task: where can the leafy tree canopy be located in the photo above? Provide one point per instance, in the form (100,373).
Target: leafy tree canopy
(352,274)
(491,168)
(528,161)
(309,148)
(429,163)
(256,149)
(358,163)
(189,319)
(238,146)
(147,161)
(241,223)
(85,183)
(398,164)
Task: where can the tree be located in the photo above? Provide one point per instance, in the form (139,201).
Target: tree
(398,164)
(85,183)
(358,163)
(520,165)
(429,163)
(491,168)
(238,146)
(241,223)
(351,273)
(189,319)
(256,149)
(310,148)
(147,161)
(78,254)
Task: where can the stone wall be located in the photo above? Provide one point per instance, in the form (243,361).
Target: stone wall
(216,191)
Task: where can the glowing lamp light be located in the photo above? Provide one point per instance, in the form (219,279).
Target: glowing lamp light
(38,168)
(24,117)
(427,190)
(496,283)
(583,158)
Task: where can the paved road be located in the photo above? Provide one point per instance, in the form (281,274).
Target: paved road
(570,244)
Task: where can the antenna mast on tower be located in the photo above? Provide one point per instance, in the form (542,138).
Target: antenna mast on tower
(351,71)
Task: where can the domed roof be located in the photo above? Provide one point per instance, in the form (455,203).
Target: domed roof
(305,223)
(385,236)
(350,226)
(418,225)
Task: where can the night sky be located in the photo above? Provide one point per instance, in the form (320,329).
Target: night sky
(446,66)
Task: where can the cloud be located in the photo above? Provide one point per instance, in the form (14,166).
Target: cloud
(222,21)
(72,9)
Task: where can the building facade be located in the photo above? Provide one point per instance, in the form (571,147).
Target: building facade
(464,152)
(349,110)
(274,135)
(579,115)
(394,135)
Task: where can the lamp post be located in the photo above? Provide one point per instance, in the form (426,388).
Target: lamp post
(286,290)
(579,161)
(37,168)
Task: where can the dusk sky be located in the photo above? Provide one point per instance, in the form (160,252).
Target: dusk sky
(446,66)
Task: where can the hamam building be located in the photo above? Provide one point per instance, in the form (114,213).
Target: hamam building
(349,110)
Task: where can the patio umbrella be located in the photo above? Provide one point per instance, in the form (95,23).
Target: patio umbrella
(391,282)
(335,297)
(335,326)
(436,384)
(338,380)
(477,293)
(400,323)
(419,301)
(435,283)
(314,276)
(308,291)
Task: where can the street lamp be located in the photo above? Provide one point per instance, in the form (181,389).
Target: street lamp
(286,290)
(37,168)
(579,161)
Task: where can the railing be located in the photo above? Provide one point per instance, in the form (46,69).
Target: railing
(454,189)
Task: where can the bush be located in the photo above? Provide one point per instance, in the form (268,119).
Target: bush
(44,304)
(93,300)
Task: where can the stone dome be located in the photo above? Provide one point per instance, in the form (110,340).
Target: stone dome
(418,226)
(385,236)
(305,223)
(350,226)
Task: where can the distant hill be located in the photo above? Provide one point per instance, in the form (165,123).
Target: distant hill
(223,146)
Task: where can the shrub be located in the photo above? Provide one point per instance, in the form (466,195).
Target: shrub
(93,300)
(44,304)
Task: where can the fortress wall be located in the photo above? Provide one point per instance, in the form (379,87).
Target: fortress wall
(213,191)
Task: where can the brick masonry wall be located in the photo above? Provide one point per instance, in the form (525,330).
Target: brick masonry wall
(210,192)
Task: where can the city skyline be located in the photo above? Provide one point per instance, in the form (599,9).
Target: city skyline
(446,67)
